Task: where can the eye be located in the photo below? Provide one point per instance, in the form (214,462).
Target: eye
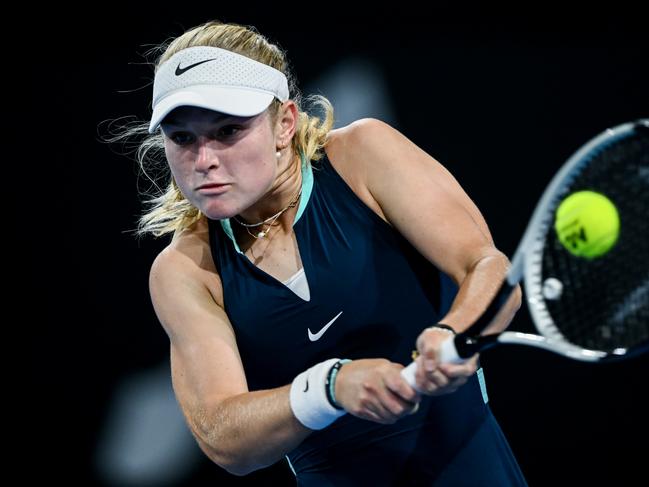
(181,138)
(229,130)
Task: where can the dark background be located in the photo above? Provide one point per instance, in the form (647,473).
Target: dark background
(500,97)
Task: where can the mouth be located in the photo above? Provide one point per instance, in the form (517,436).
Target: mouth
(211,185)
(213,188)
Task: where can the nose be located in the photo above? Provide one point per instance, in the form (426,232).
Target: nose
(207,156)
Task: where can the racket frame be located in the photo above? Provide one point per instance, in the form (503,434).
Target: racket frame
(526,266)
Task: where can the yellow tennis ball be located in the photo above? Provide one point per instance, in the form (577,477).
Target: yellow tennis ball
(587,224)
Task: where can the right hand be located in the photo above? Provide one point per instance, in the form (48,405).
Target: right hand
(433,378)
(374,389)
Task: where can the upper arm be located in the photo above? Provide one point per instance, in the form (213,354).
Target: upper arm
(205,363)
(420,198)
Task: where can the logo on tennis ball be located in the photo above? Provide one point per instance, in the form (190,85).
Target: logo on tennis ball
(587,224)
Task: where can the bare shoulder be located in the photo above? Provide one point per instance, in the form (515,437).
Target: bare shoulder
(342,152)
(374,158)
(368,145)
(187,297)
(370,150)
(414,192)
(188,255)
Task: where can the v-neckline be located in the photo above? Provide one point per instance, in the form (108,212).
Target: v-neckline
(307,188)
(308,274)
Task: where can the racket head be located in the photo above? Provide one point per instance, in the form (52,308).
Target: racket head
(593,304)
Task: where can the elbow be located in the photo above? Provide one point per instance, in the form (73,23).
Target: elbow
(239,471)
(231,459)
(240,468)
(228,462)
(230,465)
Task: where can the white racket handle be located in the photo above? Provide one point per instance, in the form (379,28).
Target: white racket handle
(447,354)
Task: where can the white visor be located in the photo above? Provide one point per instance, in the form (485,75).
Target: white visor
(216,79)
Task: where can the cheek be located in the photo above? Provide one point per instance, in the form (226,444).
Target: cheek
(177,173)
(254,165)
(183,180)
(176,170)
(261,176)
(175,164)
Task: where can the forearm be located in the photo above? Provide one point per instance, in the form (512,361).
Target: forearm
(252,430)
(477,290)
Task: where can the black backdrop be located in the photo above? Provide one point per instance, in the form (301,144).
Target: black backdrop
(501,100)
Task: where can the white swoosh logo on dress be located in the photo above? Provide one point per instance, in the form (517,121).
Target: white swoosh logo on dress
(316,336)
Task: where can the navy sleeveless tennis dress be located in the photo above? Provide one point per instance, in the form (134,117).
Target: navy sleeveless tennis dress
(382,294)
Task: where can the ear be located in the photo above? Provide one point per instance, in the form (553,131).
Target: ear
(286,124)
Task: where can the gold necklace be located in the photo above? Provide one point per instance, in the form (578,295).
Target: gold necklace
(263,233)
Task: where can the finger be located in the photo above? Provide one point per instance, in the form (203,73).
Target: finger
(430,377)
(396,404)
(374,403)
(428,358)
(426,345)
(399,386)
(385,415)
(371,416)
(420,374)
(368,409)
(438,378)
(429,382)
(429,341)
(465,369)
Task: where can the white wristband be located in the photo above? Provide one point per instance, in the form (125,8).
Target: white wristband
(308,397)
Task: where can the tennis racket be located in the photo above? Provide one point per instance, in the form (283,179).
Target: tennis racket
(588,309)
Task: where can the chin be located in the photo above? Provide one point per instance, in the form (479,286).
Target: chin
(217,215)
(218,212)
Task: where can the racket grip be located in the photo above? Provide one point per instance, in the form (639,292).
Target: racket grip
(447,354)
(408,373)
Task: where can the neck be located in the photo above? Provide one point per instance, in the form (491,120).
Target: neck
(285,190)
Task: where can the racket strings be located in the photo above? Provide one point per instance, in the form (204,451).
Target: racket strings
(604,303)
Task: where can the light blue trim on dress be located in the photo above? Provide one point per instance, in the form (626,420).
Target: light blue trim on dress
(290,465)
(483,385)
(307,187)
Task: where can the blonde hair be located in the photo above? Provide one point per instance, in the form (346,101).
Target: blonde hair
(168,210)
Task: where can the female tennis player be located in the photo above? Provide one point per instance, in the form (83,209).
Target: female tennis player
(305,266)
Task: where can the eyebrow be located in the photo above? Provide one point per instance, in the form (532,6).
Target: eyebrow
(172,121)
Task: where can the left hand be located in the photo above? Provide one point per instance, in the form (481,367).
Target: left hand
(433,378)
